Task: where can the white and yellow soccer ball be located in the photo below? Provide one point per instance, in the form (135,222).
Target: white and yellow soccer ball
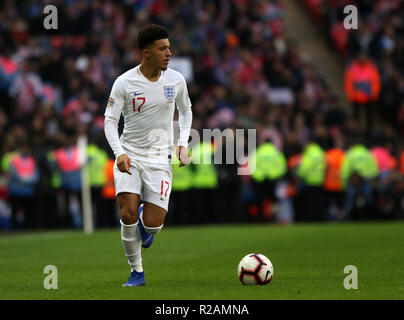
(255,269)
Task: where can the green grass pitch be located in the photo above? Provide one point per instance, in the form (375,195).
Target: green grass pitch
(189,263)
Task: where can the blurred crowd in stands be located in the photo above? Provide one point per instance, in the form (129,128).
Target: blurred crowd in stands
(315,160)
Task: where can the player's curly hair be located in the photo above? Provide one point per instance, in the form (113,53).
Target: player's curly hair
(149,34)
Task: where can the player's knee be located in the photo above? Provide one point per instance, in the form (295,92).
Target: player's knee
(129,216)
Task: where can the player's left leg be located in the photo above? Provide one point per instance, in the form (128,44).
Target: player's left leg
(151,221)
(153,218)
(147,239)
(156,195)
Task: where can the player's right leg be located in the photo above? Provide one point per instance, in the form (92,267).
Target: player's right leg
(131,238)
(128,188)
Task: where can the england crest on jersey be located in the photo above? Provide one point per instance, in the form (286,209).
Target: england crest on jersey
(169,92)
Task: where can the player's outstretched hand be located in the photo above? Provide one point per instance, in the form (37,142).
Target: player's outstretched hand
(123,163)
(183,155)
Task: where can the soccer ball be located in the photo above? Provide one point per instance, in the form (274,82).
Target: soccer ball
(255,268)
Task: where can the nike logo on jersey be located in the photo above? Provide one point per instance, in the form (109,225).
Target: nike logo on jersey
(137,94)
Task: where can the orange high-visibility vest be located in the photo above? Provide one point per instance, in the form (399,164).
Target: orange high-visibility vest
(362,82)
(108,191)
(332,180)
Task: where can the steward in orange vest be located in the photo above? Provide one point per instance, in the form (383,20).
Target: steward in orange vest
(362,87)
(332,181)
(108,191)
(362,81)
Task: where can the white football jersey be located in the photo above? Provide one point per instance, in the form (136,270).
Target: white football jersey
(148,111)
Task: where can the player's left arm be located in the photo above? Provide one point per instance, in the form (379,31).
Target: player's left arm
(185,122)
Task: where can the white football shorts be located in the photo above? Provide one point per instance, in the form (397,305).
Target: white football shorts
(152,182)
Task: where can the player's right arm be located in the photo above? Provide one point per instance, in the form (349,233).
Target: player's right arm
(112,115)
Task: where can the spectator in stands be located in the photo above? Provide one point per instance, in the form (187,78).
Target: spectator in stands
(311,171)
(110,208)
(268,167)
(23,175)
(66,161)
(362,87)
(26,88)
(359,169)
(244,73)
(333,181)
(385,181)
(97,159)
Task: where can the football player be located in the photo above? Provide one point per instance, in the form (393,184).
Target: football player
(146,96)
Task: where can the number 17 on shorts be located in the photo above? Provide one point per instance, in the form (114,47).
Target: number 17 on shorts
(165,187)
